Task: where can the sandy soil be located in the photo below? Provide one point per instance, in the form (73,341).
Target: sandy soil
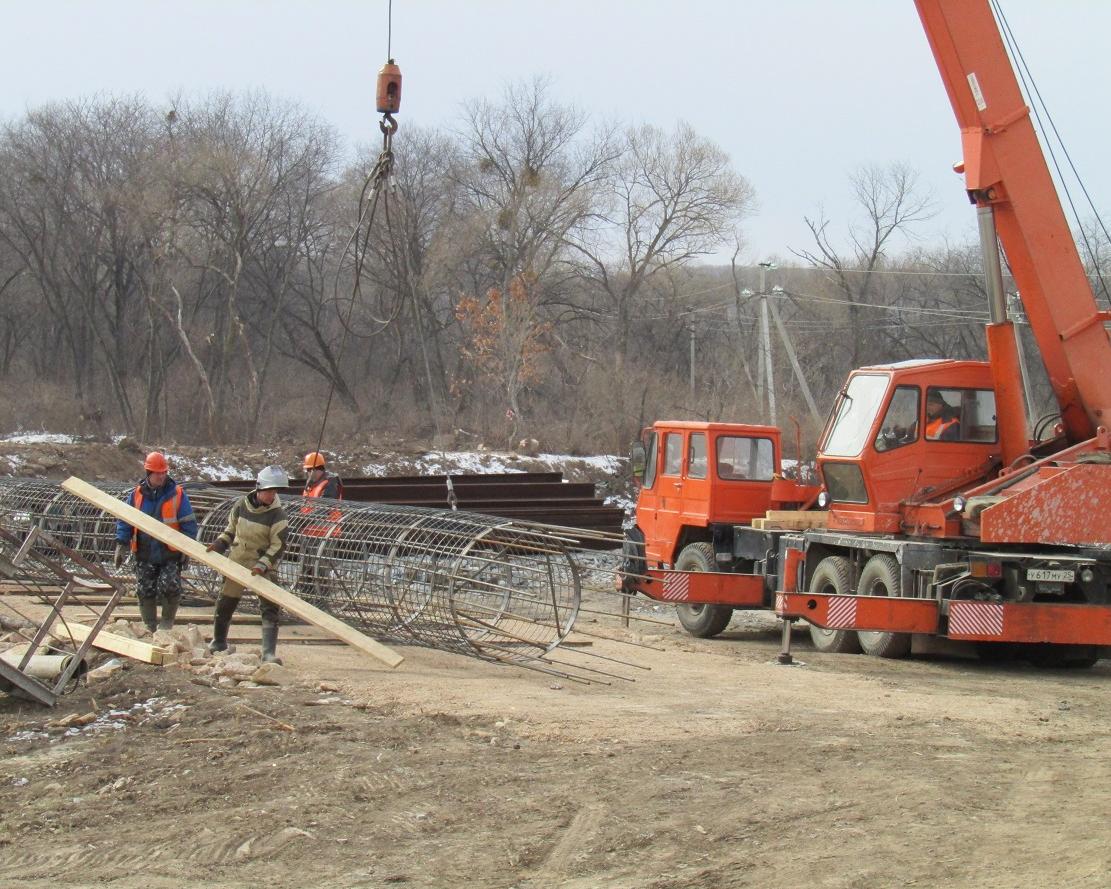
(714,768)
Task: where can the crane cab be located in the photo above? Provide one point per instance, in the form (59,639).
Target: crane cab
(905,432)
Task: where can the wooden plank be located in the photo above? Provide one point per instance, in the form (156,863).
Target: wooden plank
(132,648)
(804,518)
(229,569)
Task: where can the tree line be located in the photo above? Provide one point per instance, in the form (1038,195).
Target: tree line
(206,270)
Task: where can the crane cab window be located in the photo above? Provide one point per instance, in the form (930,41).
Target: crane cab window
(696,458)
(745,458)
(673,453)
(966,415)
(900,423)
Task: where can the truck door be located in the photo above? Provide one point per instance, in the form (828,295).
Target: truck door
(695,507)
(669,497)
(648,496)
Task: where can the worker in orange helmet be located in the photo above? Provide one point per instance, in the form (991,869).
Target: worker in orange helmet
(157,565)
(319,521)
(318,481)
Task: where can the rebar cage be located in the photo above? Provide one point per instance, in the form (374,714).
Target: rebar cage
(460,582)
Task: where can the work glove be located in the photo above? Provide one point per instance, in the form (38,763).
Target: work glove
(259,570)
(121,555)
(217,546)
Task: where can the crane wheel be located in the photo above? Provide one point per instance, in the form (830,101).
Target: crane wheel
(881,577)
(833,577)
(703,621)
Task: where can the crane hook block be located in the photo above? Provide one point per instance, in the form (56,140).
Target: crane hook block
(389,88)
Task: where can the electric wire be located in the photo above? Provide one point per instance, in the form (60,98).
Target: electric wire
(1031,89)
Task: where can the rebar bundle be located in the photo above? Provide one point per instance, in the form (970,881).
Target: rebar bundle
(455,581)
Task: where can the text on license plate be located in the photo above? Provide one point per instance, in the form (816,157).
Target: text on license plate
(1061,575)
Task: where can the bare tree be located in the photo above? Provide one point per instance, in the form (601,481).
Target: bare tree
(670,199)
(528,177)
(249,173)
(892,203)
(74,175)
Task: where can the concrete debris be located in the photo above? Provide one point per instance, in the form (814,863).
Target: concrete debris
(104,671)
(272,674)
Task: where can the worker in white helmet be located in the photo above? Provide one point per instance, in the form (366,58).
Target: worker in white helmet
(254,538)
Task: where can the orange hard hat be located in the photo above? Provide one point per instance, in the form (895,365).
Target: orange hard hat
(314,460)
(156,462)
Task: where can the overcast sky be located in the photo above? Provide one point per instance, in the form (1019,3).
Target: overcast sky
(799,92)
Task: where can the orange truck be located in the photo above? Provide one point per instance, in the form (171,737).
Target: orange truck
(940,516)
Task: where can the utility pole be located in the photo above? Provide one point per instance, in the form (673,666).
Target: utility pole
(692,363)
(766,376)
(793,358)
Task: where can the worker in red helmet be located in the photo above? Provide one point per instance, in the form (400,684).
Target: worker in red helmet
(320,521)
(157,565)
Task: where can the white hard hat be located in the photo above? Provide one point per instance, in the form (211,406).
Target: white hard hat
(272,477)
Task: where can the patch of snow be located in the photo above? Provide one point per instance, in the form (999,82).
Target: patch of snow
(623,503)
(38,438)
(490,462)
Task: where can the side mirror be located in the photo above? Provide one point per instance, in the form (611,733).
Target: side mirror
(637,460)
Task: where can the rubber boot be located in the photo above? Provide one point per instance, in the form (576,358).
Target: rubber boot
(225,608)
(269,644)
(169,612)
(148,611)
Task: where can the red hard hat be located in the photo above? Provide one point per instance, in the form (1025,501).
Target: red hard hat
(314,460)
(156,462)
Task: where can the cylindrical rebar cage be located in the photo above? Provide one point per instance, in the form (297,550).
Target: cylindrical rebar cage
(460,582)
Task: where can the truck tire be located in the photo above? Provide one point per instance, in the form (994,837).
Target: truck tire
(1063,657)
(703,621)
(881,577)
(833,576)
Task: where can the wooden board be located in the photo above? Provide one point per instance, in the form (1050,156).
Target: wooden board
(791,520)
(229,569)
(132,648)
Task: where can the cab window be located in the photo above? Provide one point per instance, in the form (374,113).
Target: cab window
(673,453)
(900,423)
(966,415)
(696,459)
(745,458)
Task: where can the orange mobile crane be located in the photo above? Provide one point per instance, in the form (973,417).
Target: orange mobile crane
(944,518)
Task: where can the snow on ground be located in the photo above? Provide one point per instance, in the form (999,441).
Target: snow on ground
(38,438)
(489,462)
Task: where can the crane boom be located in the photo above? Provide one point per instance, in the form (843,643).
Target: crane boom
(1005,170)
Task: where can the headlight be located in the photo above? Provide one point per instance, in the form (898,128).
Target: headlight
(823,499)
(958,504)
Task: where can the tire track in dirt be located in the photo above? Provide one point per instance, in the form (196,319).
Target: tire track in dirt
(570,844)
(207,849)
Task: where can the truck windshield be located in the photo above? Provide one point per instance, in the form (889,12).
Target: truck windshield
(856,413)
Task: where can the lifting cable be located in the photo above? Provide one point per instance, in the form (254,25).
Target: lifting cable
(388,103)
(1030,87)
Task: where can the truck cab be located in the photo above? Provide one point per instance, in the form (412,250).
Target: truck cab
(699,477)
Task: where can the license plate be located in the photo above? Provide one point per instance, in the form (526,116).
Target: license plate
(1057,575)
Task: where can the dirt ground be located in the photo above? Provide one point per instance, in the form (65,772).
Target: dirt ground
(714,768)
